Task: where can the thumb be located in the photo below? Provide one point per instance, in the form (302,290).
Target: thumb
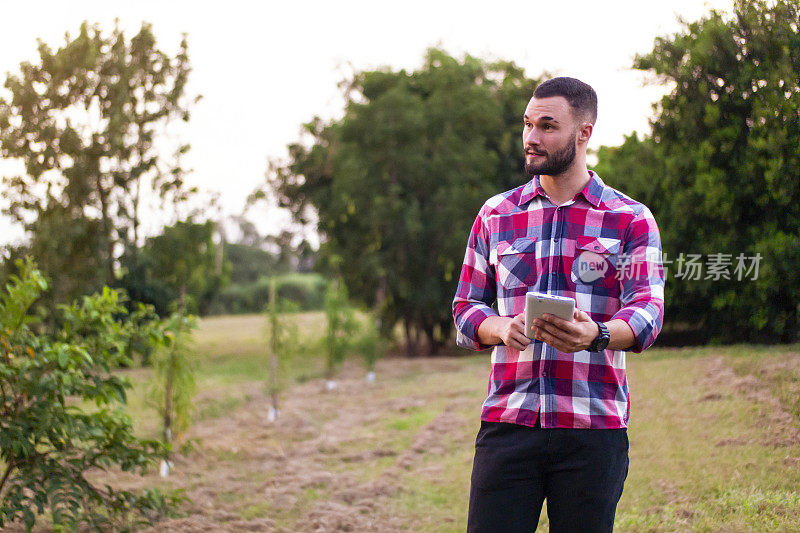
(582,316)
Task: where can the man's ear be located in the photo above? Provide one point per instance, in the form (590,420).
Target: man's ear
(585,132)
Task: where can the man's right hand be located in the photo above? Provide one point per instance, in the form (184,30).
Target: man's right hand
(509,331)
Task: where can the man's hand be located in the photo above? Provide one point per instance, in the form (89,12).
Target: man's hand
(567,337)
(509,331)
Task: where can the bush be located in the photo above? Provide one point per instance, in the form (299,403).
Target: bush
(47,441)
(306,290)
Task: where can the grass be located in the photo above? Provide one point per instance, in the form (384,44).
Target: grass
(699,455)
(704,455)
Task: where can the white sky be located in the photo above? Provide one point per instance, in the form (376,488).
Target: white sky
(264,68)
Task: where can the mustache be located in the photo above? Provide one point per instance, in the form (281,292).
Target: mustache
(534,152)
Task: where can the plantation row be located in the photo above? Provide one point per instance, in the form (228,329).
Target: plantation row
(63,406)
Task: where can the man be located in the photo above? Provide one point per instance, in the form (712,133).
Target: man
(554,423)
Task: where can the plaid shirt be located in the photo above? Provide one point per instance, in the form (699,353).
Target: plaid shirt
(601,248)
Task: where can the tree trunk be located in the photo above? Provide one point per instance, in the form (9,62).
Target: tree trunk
(412,339)
(273,379)
(445,331)
(107,228)
(433,343)
(168,402)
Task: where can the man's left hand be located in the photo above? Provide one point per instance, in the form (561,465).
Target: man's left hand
(564,336)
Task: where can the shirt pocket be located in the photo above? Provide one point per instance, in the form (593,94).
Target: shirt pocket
(596,260)
(515,262)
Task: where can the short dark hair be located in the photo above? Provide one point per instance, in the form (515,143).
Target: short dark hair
(581,97)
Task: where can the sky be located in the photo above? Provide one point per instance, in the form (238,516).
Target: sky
(265,68)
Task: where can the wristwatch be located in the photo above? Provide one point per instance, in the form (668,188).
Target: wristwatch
(601,341)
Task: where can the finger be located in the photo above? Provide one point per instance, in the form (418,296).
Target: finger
(560,323)
(516,339)
(553,341)
(518,344)
(518,327)
(551,328)
(521,338)
(582,316)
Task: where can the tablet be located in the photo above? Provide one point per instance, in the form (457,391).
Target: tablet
(537,304)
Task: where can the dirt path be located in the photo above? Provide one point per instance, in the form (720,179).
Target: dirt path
(781,426)
(304,470)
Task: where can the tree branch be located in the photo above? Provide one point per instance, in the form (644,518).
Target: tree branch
(12,464)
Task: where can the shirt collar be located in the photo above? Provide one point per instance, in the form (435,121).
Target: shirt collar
(593,191)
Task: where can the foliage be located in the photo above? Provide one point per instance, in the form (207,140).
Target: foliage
(369,343)
(141,341)
(249,263)
(85,120)
(174,366)
(307,291)
(720,171)
(397,181)
(69,249)
(342,326)
(61,411)
(182,264)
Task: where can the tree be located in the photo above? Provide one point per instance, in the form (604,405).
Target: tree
(74,261)
(721,167)
(369,345)
(397,182)
(174,367)
(61,411)
(282,340)
(340,331)
(181,265)
(84,120)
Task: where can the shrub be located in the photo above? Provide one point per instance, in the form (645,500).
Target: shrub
(48,441)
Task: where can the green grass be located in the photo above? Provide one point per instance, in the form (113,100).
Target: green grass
(412,421)
(702,456)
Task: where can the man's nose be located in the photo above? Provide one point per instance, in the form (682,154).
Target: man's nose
(532,138)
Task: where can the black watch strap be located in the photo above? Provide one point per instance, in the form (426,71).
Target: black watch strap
(601,341)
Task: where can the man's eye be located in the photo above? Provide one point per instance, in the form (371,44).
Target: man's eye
(547,127)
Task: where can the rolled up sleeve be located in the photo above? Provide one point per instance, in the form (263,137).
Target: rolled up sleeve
(642,277)
(476,288)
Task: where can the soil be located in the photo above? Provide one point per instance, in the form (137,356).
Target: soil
(276,464)
(781,426)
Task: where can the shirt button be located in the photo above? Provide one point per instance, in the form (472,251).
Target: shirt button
(544,374)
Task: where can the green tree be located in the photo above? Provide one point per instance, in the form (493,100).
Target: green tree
(722,166)
(282,342)
(84,119)
(181,265)
(396,183)
(48,441)
(174,366)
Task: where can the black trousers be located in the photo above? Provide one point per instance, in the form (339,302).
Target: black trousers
(580,472)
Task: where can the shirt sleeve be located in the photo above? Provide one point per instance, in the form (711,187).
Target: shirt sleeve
(476,287)
(642,277)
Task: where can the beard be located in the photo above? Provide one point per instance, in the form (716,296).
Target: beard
(554,164)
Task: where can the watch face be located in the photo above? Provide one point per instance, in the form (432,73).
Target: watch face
(602,343)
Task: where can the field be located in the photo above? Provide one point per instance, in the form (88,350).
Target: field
(714,433)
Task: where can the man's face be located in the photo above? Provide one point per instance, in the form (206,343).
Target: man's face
(549,136)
